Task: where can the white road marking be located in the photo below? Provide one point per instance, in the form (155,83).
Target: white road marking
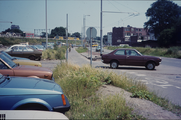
(140,74)
(178,87)
(164,86)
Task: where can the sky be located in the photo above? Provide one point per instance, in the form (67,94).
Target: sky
(30,14)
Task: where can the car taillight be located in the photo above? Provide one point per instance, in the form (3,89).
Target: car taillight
(63,99)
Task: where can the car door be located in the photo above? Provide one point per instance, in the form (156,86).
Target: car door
(16,51)
(133,58)
(27,52)
(120,56)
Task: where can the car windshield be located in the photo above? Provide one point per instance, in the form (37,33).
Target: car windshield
(139,53)
(8,61)
(7,55)
(39,46)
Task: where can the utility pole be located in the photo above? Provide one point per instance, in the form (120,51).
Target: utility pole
(67,38)
(101,30)
(46,23)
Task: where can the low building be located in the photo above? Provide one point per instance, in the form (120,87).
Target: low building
(128,35)
(109,38)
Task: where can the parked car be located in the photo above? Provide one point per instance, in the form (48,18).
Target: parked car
(22,61)
(13,46)
(8,67)
(38,47)
(130,57)
(31,115)
(24,51)
(94,45)
(24,93)
(98,48)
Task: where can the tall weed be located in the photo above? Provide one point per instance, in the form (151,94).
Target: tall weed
(80,84)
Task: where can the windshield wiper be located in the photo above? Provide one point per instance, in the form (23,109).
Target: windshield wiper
(14,65)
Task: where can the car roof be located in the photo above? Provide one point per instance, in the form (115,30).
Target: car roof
(125,49)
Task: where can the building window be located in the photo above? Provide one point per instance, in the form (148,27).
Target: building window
(140,34)
(140,29)
(132,29)
(127,29)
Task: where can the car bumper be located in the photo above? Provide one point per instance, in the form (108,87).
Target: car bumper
(62,109)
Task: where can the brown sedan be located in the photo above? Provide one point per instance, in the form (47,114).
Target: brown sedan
(24,51)
(130,57)
(8,67)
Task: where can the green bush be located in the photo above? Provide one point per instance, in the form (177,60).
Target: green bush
(54,54)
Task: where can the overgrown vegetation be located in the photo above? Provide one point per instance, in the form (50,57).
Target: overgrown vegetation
(81,49)
(6,41)
(54,54)
(80,85)
(174,52)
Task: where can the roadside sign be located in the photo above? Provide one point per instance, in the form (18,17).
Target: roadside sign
(91,32)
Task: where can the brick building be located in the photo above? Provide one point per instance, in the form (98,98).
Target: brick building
(128,35)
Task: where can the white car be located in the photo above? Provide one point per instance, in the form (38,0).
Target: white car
(13,46)
(31,115)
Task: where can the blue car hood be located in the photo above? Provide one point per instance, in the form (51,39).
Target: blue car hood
(25,85)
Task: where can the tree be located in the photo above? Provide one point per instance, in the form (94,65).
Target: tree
(60,31)
(169,37)
(162,14)
(76,34)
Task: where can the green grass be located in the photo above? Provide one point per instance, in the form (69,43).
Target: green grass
(173,52)
(81,49)
(81,83)
(54,54)
(7,41)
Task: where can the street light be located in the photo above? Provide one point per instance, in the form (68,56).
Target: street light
(84,26)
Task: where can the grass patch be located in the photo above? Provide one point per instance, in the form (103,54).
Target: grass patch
(54,54)
(173,52)
(81,49)
(81,83)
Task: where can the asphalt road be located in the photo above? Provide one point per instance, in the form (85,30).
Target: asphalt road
(165,80)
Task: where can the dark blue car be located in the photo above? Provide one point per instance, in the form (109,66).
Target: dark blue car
(25,93)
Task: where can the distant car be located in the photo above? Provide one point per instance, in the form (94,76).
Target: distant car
(98,48)
(130,57)
(94,45)
(13,46)
(23,61)
(38,47)
(24,93)
(8,67)
(24,51)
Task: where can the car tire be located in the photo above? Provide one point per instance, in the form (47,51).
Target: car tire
(32,57)
(32,107)
(150,65)
(114,64)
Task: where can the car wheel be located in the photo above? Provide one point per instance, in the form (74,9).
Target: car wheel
(32,107)
(32,57)
(114,64)
(150,66)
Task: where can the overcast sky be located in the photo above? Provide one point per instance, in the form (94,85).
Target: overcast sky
(30,14)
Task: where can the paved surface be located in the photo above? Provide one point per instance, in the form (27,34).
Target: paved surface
(165,80)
